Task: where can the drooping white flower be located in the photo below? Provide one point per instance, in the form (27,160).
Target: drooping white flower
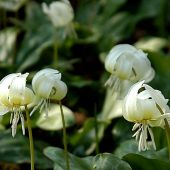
(147,108)
(47,85)
(125,62)
(59,12)
(13,96)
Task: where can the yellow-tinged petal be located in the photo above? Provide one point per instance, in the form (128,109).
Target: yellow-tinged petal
(17,89)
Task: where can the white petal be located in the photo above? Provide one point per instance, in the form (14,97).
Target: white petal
(59,12)
(44,89)
(115,53)
(5,84)
(148,109)
(59,90)
(144,95)
(130,111)
(157,97)
(39,76)
(17,89)
(123,66)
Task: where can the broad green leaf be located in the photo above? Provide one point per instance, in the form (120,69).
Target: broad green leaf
(131,146)
(12,5)
(87,12)
(118,27)
(148,8)
(152,44)
(103,161)
(16,150)
(7,44)
(109,7)
(138,162)
(54,121)
(39,36)
(108,161)
(57,156)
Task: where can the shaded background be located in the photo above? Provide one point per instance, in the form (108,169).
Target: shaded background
(27,40)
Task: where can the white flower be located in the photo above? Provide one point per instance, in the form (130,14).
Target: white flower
(145,107)
(125,62)
(13,96)
(59,12)
(47,85)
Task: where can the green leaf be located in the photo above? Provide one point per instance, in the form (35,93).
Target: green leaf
(148,8)
(118,27)
(109,7)
(57,156)
(142,163)
(154,44)
(103,161)
(7,44)
(16,150)
(39,36)
(54,121)
(12,5)
(131,146)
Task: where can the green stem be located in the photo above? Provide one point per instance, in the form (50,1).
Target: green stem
(96,132)
(64,138)
(167,128)
(55,54)
(30,138)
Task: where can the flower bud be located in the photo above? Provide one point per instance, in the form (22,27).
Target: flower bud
(59,12)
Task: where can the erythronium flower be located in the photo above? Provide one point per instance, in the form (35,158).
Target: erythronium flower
(125,62)
(147,108)
(59,12)
(13,96)
(47,85)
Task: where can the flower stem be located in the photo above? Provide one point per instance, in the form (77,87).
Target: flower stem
(96,131)
(55,54)
(64,138)
(30,138)
(167,128)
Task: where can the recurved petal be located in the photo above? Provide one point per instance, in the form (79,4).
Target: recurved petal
(44,89)
(28,97)
(144,95)
(157,97)
(6,81)
(130,111)
(17,89)
(115,53)
(124,69)
(39,76)
(59,90)
(148,109)
(5,85)
(149,75)
(142,67)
